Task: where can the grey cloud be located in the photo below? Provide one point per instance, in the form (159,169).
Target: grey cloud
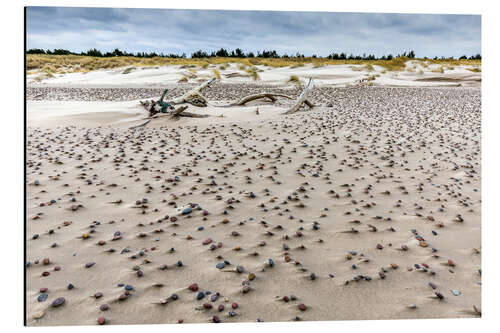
(178,31)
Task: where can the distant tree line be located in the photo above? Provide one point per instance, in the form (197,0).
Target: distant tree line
(236,53)
(97,53)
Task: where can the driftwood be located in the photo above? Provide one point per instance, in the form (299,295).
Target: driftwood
(179,110)
(230,75)
(270,96)
(176,114)
(193,96)
(193,115)
(302,97)
(141,125)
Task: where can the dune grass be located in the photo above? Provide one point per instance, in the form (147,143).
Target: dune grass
(252,71)
(294,79)
(76,63)
(440,69)
(216,73)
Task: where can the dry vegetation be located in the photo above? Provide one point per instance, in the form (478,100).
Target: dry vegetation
(51,64)
(440,69)
(216,73)
(294,79)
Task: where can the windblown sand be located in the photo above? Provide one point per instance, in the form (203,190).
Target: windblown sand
(368,206)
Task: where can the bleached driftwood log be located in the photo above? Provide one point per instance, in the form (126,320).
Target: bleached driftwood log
(193,96)
(179,110)
(230,75)
(302,97)
(176,114)
(270,96)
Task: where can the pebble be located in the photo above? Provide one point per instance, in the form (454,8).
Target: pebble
(38,315)
(58,302)
(187,210)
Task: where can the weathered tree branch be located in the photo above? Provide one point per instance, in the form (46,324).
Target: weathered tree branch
(302,97)
(141,125)
(271,96)
(193,96)
(179,110)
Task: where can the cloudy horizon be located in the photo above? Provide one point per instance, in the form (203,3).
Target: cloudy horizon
(186,31)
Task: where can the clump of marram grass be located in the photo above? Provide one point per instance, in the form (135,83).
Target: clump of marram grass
(205,65)
(318,65)
(216,73)
(252,71)
(356,69)
(475,69)
(128,70)
(369,67)
(183,79)
(242,67)
(294,79)
(440,69)
(223,66)
(297,65)
(420,72)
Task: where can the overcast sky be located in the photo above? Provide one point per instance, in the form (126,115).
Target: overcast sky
(185,31)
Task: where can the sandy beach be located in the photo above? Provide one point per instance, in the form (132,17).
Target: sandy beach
(367,206)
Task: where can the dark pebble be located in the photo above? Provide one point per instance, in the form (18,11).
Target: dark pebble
(58,302)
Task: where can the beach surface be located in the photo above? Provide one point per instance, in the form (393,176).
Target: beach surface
(367,206)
